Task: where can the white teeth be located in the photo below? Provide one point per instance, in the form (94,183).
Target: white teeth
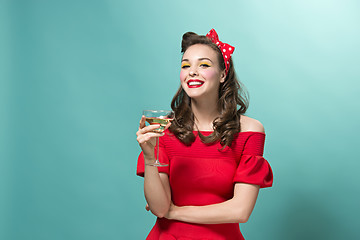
(195,83)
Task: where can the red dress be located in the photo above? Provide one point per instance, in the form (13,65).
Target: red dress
(203,174)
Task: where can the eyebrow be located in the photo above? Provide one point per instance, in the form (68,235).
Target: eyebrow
(187,60)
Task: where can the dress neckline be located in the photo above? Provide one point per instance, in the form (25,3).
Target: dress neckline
(210,131)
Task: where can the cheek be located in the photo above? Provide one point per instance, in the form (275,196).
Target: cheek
(182,76)
(210,73)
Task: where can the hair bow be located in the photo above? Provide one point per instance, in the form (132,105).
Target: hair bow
(226,49)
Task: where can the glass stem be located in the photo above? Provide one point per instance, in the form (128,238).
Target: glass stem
(157,149)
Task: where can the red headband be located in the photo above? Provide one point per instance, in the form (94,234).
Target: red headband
(225,48)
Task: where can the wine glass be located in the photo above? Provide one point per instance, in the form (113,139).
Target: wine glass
(161,117)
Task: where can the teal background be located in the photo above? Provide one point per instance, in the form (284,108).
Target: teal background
(76,75)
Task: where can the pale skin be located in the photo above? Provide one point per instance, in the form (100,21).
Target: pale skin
(156,185)
(199,62)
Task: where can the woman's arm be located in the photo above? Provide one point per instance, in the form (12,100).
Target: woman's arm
(236,210)
(156,185)
(157,191)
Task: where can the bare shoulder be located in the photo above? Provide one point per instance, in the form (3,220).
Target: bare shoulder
(250,124)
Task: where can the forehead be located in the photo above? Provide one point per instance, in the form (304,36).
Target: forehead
(200,51)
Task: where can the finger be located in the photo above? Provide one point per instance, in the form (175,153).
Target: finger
(142,121)
(147,129)
(142,138)
(167,126)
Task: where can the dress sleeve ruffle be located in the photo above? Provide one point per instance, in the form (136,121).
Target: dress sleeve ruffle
(253,168)
(162,158)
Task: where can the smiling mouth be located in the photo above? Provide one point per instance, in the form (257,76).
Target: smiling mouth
(194,83)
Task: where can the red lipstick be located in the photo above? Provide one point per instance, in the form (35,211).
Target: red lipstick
(195,83)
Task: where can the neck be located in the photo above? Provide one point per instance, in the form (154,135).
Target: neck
(205,113)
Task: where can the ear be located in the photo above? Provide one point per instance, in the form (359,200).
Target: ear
(223,76)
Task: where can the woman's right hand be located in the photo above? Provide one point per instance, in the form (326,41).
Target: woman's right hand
(147,139)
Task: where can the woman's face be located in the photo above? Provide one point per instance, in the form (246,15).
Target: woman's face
(200,74)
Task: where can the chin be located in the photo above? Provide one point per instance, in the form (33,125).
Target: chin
(193,94)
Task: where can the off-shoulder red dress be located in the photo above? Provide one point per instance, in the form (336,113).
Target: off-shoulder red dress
(203,174)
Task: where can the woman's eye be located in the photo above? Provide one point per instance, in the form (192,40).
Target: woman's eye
(185,66)
(204,65)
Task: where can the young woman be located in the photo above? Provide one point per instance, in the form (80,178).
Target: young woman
(214,151)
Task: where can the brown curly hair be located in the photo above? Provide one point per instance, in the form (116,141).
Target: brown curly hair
(233,101)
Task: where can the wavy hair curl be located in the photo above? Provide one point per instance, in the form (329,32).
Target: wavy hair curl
(233,101)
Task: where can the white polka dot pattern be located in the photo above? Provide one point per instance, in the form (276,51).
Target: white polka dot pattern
(226,49)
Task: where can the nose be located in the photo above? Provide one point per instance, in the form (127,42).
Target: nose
(193,71)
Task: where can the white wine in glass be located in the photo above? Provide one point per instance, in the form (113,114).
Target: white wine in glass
(162,118)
